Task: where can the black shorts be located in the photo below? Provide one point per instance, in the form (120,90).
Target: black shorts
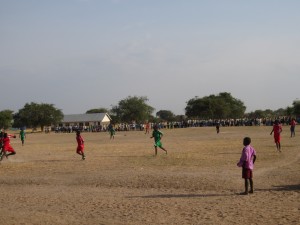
(247,173)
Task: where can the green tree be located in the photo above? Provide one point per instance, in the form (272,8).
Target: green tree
(235,107)
(99,110)
(289,111)
(269,113)
(280,112)
(34,115)
(6,117)
(256,114)
(296,105)
(165,115)
(180,118)
(219,106)
(198,106)
(153,119)
(133,109)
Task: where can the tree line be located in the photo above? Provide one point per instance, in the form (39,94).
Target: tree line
(135,108)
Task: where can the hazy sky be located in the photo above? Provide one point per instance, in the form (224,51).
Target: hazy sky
(84,54)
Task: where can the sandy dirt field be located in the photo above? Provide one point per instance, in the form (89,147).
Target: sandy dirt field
(121,182)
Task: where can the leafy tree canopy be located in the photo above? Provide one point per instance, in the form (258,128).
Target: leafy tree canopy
(165,115)
(6,117)
(34,115)
(133,109)
(99,110)
(219,106)
(296,105)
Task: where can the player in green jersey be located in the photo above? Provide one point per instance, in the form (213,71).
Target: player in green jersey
(22,136)
(157,135)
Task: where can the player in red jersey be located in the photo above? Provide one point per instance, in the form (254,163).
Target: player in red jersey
(80,145)
(147,128)
(7,146)
(277,129)
(292,128)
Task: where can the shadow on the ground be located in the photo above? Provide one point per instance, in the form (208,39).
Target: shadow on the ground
(183,196)
(295,187)
(292,187)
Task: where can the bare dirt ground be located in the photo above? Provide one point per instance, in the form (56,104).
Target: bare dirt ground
(121,182)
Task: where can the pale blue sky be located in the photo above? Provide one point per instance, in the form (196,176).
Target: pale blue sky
(84,54)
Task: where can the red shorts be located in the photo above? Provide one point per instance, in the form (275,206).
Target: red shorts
(247,173)
(80,148)
(8,149)
(277,138)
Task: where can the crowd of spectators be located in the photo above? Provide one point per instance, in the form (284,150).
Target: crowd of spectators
(174,125)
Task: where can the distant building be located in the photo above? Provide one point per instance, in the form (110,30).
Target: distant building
(80,120)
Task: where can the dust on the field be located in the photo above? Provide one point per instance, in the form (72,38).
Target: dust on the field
(121,182)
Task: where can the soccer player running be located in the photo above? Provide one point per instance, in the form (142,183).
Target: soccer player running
(22,136)
(7,146)
(277,129)
(157,135)
(80,145)
(1,142)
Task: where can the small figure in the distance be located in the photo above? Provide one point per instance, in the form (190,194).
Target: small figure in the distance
(157,135)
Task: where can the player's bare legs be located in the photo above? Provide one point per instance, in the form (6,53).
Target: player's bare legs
(82,155)
(164,150)
(155,148)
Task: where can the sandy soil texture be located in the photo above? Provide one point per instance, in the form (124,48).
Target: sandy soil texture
(121,182)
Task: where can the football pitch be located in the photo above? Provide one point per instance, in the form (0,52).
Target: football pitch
(122,182)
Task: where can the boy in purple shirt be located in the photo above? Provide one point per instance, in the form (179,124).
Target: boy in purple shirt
(247,160)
